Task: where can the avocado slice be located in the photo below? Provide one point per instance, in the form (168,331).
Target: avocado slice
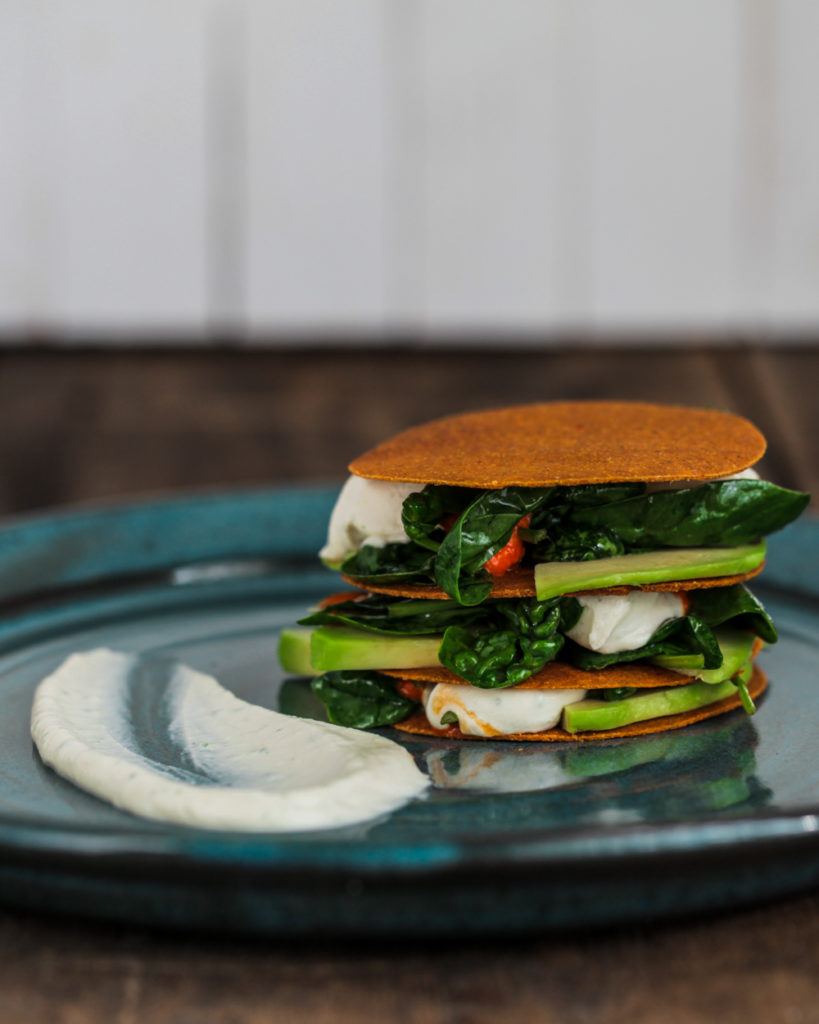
(599,715)
(555,578)
(294,652)
(333,648)
(736,650)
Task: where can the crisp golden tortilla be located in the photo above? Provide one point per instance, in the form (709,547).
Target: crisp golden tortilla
(559,675)
(567,443)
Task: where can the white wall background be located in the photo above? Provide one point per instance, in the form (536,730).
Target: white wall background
(292,167)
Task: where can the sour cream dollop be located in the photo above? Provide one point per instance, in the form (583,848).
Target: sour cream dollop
(366,512)
(242,767)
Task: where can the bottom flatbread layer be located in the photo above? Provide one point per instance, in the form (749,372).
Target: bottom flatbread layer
(419,725)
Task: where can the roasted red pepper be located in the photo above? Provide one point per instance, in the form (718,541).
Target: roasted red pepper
(342,595)
(409,690)
(510,554)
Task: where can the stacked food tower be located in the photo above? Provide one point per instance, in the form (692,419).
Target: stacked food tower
(561,571)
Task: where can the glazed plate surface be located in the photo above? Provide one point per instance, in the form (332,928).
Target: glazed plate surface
(510,838)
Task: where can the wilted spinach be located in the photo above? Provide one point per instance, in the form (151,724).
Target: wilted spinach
(392,563)
(573,544)
(492,656)
(393,615)
(736,604)
(362,700)
(478,533)
(726,513)
(424,512)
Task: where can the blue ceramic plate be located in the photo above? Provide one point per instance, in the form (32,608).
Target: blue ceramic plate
(511,837)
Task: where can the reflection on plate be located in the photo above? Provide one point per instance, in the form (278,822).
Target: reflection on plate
(633,778)
(630,776)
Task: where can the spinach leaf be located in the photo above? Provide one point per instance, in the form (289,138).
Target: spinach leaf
(533,618)
(590,495)
(391,563)
(687,635)
(480,531)
(424,512)
(393,615)
(362,700)
(736,605)
(491,656)
(556,512)
(574,544)
(722,514)
(495,658)
(555,539)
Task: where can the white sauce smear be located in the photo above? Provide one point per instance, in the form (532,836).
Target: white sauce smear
(262,771)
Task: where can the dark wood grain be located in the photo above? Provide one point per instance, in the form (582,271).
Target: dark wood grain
(749,965)
(85,426)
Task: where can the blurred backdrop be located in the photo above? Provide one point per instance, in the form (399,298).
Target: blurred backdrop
(241,241)
(372,169)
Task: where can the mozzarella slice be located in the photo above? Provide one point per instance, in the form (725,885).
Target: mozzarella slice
(610,623)
(497,712)
(366,512)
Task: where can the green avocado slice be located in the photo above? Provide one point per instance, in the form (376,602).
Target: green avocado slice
(668,565)
(736,650)
(294,652)
(338,648)
(600,715)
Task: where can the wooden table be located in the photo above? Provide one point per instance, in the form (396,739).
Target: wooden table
(84,426)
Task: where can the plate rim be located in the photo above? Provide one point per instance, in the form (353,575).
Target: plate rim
(791,829)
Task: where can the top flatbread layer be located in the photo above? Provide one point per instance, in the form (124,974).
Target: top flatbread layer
(567,443)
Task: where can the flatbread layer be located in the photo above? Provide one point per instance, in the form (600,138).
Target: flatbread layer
(559,675)
(419,725)
(520,582)
(567,443)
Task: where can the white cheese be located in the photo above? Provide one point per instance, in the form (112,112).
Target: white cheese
(610,623)
(366,512)
(497,712)
(247,768)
